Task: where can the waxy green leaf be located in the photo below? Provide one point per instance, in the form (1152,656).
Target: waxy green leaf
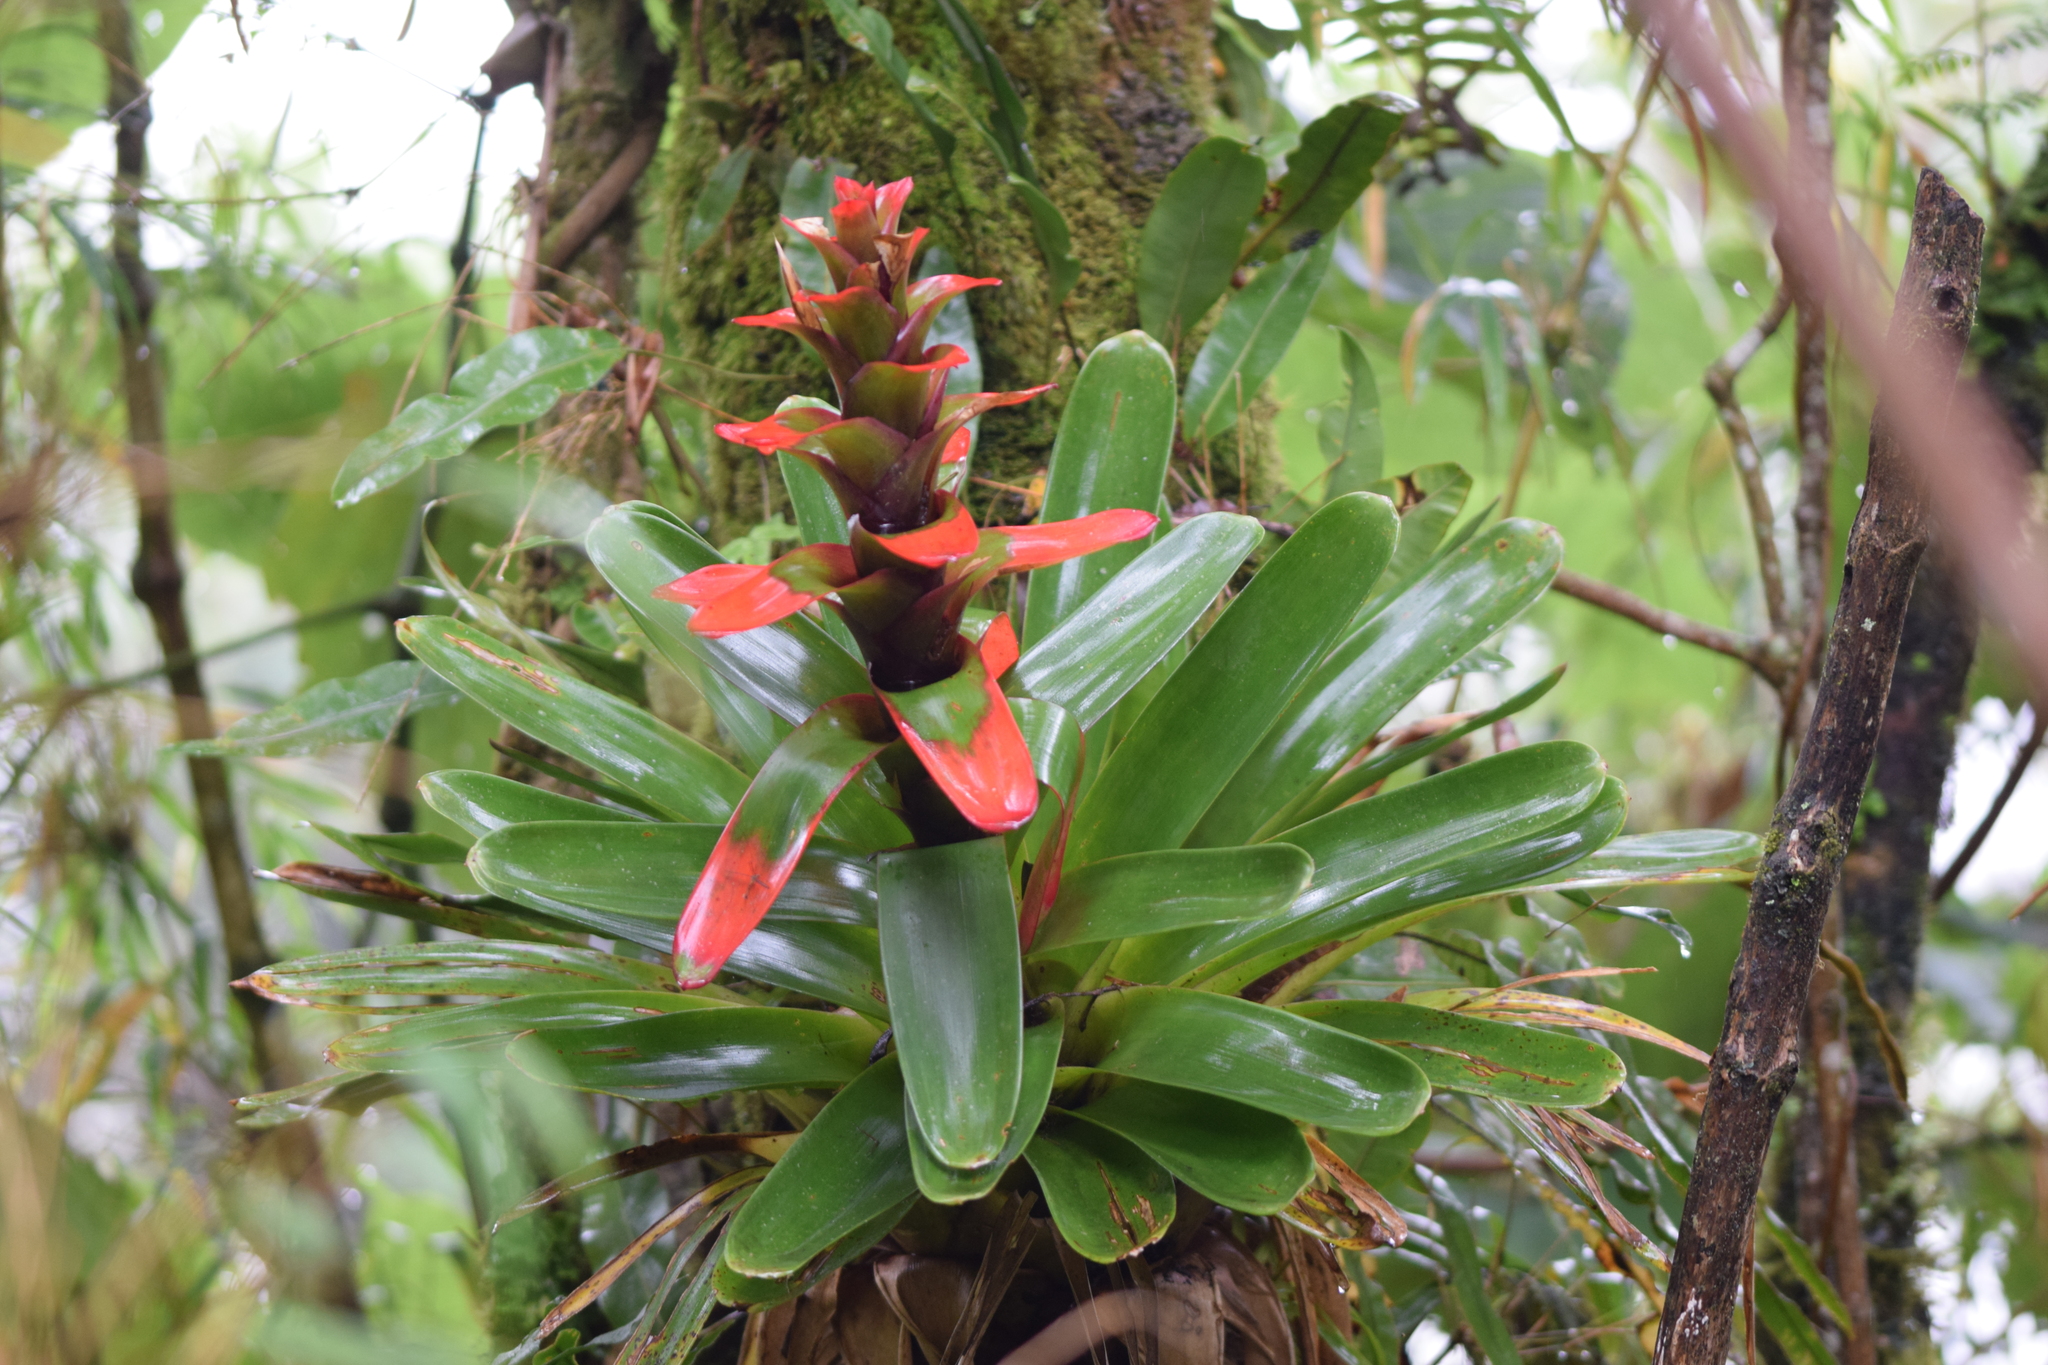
(851,1164)
(759,850)
(1107,1198)
(1430,497)
(841,963)
(1189,247)
(1383,867)
(1330,169)
(479,916)
(1350,435)
(1208,717)
(943,1184)
(629,880)
(1055,242)
(1100,652)
(869,30)
(791,667)
(948,922)
(482,802)
(341,981)
(1668,858)
(1113,446)
(1257,327)
(1054,739)
(1464,599)
(1243,1158)
(1152,893)
(475,1035)
(367,707)
(1480,1056)
(1352,781)
(619,740)
(1251,1053)
(703,1051)
(517,380)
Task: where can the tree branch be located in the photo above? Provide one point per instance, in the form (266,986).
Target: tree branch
(1804,50)
(1757,1059)
(1763,656)
(2020,762)
(1720,386)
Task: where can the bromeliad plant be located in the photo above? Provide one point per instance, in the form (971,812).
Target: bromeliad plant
(993,910)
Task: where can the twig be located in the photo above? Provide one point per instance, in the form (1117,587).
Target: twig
(1720,386)
(1946,882)
(1887,1044)
(1568,301)
(676,454)
(1804,50)
(1525,443)
(603,197)
(1758,1056)
(1761,655)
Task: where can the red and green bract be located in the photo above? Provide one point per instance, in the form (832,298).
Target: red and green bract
(913,561)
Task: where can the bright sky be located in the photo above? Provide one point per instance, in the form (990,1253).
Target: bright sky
(386,116)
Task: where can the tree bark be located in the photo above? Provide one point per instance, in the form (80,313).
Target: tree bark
(1805,48)
(1116,91)
(1885,881)
(1757,1058)
(319,1270)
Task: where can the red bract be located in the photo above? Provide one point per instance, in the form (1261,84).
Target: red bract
(914,560)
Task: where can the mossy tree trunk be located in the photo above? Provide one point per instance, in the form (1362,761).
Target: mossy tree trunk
(1118,93)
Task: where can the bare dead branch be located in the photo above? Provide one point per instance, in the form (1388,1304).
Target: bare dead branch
(1764,656)
(2020,762)
(1720,386)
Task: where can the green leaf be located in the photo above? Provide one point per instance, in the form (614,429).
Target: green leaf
(1243,1158)
(628,880)
(700,1052)
(393,851)
(618,740)
(841,963)
(479,916)
(869,30)
(1383,873)
(1430,496)
(474,1035)
(1351,781)
(819,517)
(367,707)
(1465,598)
(1468,1284)
(792,667)
(1107,1198)
(340,981)
(1054,739)
(1801,1263)
(1330,169)
(948,921)
(1189,247)
(851,1164)
(943,1184)
(1794,1332)
(1480,1056)
(1151,893)
(1671,858)
(517,380)
(1264,1057)
(1114,443)
(1257,327)
(1009,128)
(1049,231)
(1209,716)
(483,802)
(1101,651)
(1352,440)
(714,202)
